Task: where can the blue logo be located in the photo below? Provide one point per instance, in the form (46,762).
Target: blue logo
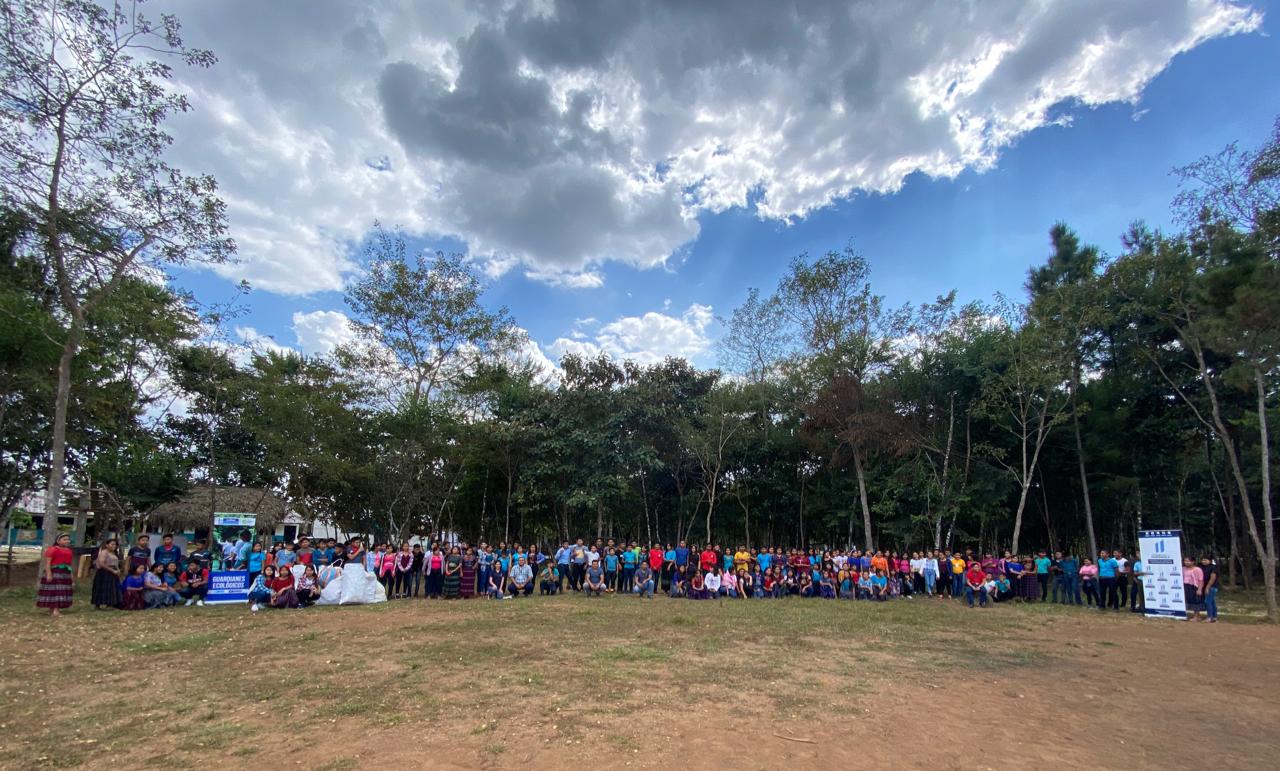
(1159,547)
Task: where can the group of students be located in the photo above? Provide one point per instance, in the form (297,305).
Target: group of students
(147,578)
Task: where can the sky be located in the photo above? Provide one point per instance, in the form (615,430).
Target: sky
(622,172)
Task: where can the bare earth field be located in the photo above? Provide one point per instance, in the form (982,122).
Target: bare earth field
(570,681)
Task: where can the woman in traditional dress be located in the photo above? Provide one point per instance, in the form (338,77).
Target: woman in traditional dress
(468,587)
(56,583)
(106,576)
(452,573)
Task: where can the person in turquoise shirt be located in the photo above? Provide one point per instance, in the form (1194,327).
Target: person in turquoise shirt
(611,569)
(1042,574)
(1108,567)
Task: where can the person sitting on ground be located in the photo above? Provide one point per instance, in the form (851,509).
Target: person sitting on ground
(306,587)
(865,587)
(746,584)
(827,587)
(806,585)
(679,582)
(879,586)
(133,587)
(642,581)
(1003,589)
(594,582)
(973,585)
(260,589)
(283,593)
(156,592)
(729,585)
(521,578)
(548,582)
(712,581)
(697,588)
(194,583)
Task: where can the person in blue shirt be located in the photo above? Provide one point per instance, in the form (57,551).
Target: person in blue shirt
(764,559)
(879,587)
(167,553)
(1067,579)
(485,564)
(1137,598)
(682,555)
(611,572)
(254,561)
(562,564)
(628,558)
(1108,567)
(286,557)
(668,567)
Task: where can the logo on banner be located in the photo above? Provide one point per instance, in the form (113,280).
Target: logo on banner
(1159,547)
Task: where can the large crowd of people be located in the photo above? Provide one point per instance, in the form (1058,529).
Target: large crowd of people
(291,575)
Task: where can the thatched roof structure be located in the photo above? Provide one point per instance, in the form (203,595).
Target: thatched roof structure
(194,510)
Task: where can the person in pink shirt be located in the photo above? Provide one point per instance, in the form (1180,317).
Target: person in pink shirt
(1192,580)
(1089,582)
(387,570)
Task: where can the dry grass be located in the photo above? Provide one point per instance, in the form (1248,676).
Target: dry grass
(501,681)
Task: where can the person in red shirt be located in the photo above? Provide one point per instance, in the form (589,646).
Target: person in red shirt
(282,591)
(973,585)
(707,559)
(56,583)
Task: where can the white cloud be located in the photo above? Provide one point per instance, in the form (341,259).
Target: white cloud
(319,332)
(587,279)
(646,339)
(256,342)
(559,136)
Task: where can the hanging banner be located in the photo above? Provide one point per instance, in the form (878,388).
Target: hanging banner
(227,586)
(1162,562)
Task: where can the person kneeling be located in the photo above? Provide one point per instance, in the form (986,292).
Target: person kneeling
(548,582)
(521,579)
(494,589)
(642,581)
(594,582)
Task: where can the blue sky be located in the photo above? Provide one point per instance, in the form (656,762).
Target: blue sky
(1095,163)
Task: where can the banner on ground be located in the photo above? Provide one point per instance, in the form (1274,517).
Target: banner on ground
(1162,562)
(227,586)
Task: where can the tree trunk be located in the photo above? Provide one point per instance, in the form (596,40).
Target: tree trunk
(1017,518)
(1084,477)
(57,463)
(862,498)
(1268,526)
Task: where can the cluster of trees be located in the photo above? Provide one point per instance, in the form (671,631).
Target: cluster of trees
(1121,392)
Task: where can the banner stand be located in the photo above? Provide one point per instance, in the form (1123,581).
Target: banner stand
(1161,552)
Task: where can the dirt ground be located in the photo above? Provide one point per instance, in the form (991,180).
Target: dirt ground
(567,681)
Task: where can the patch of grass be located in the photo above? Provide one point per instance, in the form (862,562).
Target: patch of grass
(631,653)
(185,643)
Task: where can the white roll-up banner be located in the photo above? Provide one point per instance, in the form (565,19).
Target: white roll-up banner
(1162,562)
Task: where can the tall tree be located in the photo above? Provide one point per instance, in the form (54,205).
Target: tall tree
(847,330)
(83,104)
(1065,296)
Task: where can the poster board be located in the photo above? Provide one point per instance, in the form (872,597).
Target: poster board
(1161,552)
(227,586)
(226,527)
